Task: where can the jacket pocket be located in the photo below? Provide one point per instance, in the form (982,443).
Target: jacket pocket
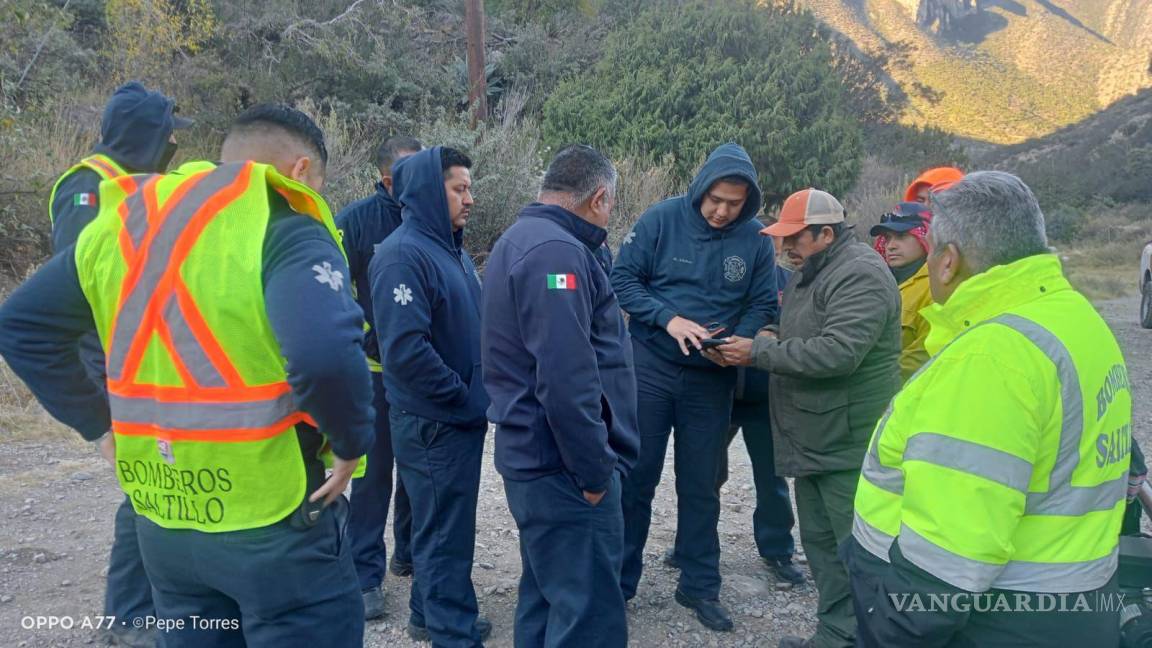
(822,419)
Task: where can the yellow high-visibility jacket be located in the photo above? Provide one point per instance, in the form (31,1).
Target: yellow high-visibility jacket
(1003,461)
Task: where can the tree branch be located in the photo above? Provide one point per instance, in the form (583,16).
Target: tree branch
(308,22)
(40,48)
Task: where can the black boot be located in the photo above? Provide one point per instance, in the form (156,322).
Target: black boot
(708,611)
(784,570)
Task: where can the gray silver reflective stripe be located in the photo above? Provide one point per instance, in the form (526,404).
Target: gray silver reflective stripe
(877,474)
(137,222)
(1062,497)
(189,348)
(1078,500)
(882,477)
(874,540)
(1058,577)
(971,458)
(979,576)
(202,415)
(131,315)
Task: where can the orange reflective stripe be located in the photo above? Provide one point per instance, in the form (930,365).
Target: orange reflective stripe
(208,342)
(209,394)
(170,238)
(214,403)
(132,213)
(226,435)
(105,169)
(165,336)
(121,337)
(199,219)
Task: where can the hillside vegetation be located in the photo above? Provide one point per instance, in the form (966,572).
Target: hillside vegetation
(1015,70)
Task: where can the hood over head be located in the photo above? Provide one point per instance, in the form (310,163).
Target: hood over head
(725,161)
(418,184)
(135,128)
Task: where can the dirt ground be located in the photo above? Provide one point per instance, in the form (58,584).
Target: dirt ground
(58,500)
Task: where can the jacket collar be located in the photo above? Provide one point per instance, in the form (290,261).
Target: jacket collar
(912,272)
(587,233)
(991,293)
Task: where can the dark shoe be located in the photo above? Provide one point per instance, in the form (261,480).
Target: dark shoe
(709,612)
(792,641)
(373,603)
(785,570)
(670,558)
(420,633)
(399,568)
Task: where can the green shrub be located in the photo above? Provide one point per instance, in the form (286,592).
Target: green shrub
(683,78)
(1063,223)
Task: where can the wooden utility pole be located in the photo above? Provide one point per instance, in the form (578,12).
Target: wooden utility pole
(477,78)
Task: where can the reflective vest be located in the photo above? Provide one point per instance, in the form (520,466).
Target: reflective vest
(104,166)
(202,412)
(1003,462)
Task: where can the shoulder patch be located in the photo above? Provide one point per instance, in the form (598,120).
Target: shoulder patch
(561,282)
(84,200)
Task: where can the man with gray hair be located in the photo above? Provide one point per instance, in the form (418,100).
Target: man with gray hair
(558,367)
(993,489)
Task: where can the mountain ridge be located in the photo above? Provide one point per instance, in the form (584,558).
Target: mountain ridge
(1002,71)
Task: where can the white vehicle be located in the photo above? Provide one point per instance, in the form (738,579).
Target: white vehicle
(1146,287)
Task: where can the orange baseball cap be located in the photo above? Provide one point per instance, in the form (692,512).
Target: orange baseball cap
(804,208)
(931,178)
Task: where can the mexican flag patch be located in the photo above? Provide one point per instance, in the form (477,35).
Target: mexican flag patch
(84,200)
(561,282)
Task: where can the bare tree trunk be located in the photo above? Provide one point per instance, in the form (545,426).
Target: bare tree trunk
(477,78)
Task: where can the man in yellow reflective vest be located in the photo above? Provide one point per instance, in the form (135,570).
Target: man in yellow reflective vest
(217,382)
(990,500)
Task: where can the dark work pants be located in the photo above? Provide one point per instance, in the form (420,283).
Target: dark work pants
(440,466)
(371,495)
(773,520)
(825,503)
(1095,625)
(285,586)
(128,593)
(571,554)
(697,404)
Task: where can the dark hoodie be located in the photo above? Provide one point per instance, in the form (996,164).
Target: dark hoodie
(426,300)
(134,132)
(363,225)
(675,263)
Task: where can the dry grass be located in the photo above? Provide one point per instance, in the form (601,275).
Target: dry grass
(640,186)
(21,417)
(1104,260)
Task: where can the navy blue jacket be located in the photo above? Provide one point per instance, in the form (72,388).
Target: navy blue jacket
(134,132)
(675,263)
(363,225)
(557,363)
(42,320)
(426,296)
